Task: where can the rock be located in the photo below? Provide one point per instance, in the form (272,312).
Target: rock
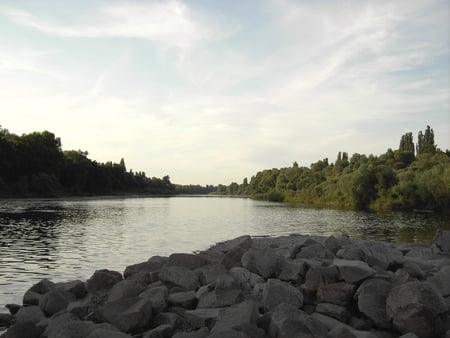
(179,276)
(329,322)
(339,312)
(185,300)
(416,307)
(160,331)
(320,275)
(202,317)
(208,274)
(76,287)
(56,323)
(287,321)
(189,261)
(332,244)
(128,314)
(35,293)
(371,299)
(245,280)
(408,335)
(5,319)
(420,252)
(24,330)
(442,240)
(337,293)
(54,301)
(13,308)
(441,280)
(414,270)
(75,329)
(238,316)
(263,262)
(233,257)
(315,251)
(104,333)
(201,333)
(126,288)
(244,242)
(291,271)
(157,296)
(353,271)
(29,314)
(344,332)
(277,292)
(155,263)
(79,308)
(103,280)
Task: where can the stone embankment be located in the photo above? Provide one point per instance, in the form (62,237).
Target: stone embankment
(285,287)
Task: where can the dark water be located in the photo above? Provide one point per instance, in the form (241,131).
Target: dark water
(69,239)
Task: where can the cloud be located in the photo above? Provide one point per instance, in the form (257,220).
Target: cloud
(172,23)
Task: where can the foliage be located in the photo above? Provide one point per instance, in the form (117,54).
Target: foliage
(35,165)
(396,180)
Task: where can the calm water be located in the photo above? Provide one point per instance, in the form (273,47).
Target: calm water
(69,239)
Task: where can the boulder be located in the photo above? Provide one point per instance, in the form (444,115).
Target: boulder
(5,319)
(54,301)
(371,299)
(202,317)
(245,280)
(55,324)
(128,314)
(208,274)
(160,331)
(416,307)
(155,263)
(328,322)
(239,316)
(185,300)
(320,275)
(103,280)
(179,276)
(442,240)
(189,261)
(233,257)
(315,251)
(201,333)
(29,314)
(244,242)
(24,330)
(263,262)
(337,293)
(105,333)
(35,293)
(353,271)
(225,293)
(13,308)
(277,292)
(126,288)
(336,311)
(157,296)
(441,280)
(344,332)
(291,271)
(332,244)
(76,287)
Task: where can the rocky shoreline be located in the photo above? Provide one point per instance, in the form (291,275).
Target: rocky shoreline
(275,287)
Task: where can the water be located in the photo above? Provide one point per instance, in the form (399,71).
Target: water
(69,239)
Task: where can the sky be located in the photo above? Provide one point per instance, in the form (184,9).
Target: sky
(210,92)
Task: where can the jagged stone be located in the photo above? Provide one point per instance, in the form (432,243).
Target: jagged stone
(160,331)
(33,295)
(105,333)
(208,274)
(320,275)
(315,251)
(441,280)
(157,296)
(126,288)
(416,307)
(189,261)
(353,271)
(179,276)
(76,287)
(332,244)
(202,317)
(238,316)
(155,263)
(32,314)
(245,280)
(442,240)
(201,333)
(336,293)
(277,292)
(233,257)
(344,332)
(24,330)
(371,299)
(339,312)
(54,301)
(291,271)
(103,280)
(329,322)
(263,262)
(225,293)
(185,300)
(244,242)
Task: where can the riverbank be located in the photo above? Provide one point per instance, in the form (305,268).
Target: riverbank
(286,287)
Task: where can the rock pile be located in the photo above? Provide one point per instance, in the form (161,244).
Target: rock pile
(285,287)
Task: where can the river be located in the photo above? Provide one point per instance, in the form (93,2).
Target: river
(66,239)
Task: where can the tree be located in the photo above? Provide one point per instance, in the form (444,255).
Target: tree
(425,142)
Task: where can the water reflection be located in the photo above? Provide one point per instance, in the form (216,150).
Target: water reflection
(68,239)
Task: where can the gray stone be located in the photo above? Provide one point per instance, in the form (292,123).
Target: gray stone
(416,307)
(54,301)
(414,270)
(441,280)
(291,271)
(244,242)
(126,288)
(337,293)
(329,322)
(35,293)
(245,280)
(13,308)
(185,300)
(277,292)
(5,319)
(344,332)
(76,287)
(320,275)
(209,273)
(202,317)
(339,312)
(442,240)
(104,333)
(168,318)
(79,308)
(189,261)
(55,324)
(371,298)
(409,335)
(128,314)
(237,316)
(315,251)
(157,296)
(24,330)
(233,257)
(263,262)
(353,271)
(420,252)
(332,244)
(179,276)
(29,314)
(103,280)
(155,263)
(160,331)
(201,333)
(77,329)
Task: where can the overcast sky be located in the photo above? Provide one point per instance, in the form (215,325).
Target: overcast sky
(211,92)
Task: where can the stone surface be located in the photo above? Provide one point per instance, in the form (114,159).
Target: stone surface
(189,261)
(263,262)
(202,317)
(332,310)
(277,292)
(291,271)
(24,330)
(29,314)
(155,263)
(237,316)
(320,275)
(179,276)
(157,296)
(315,251)
(186,299)
(201,333)
(103,280)
(337,293)
(35,293)
(442,240)
(353,271)
(126,288)
(441,280)
(54,301)
(104,333)
(245,280)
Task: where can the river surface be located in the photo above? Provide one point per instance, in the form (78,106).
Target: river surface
(70,238)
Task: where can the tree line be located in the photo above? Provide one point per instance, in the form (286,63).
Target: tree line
(413,177)
(34,165)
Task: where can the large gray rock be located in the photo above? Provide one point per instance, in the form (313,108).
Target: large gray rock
(336,311)
(292,271)
(155,263)
(157,296)
(24,330)
(371,298)
(225,293)
(277,292)
(353,271)
(442,240)
(202,317)
(320,275)
(208,274)
(201,333)
(344,332)
(245,280)
(103,280)
(336,293)
(416,307)
(263,262)
(189,261)
(244,242)
(441,280)
(36,292)
(54,301)
(105,333)
(179,276)
(128,314)
(233,257)
(287,321)
(29,314)
(239,316)
(185,300)
(76,287)
(126,288)
(315,251)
